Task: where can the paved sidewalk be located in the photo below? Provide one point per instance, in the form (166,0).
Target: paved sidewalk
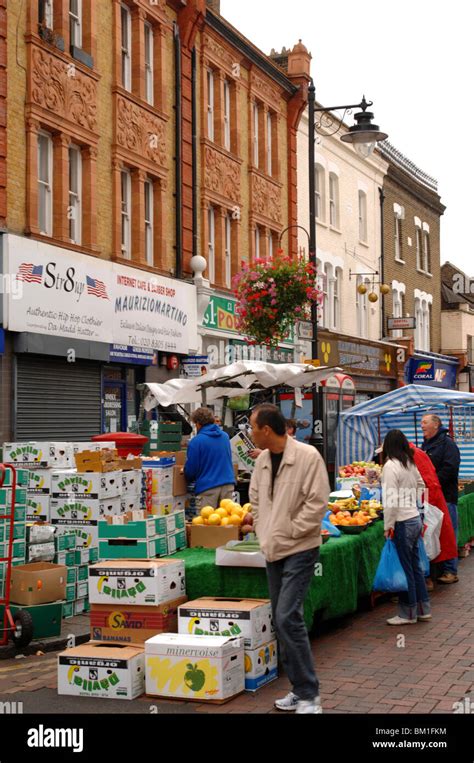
(364,667)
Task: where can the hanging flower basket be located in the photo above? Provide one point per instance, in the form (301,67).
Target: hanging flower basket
(272,296)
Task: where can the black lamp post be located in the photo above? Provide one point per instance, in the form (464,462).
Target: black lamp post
(363,135)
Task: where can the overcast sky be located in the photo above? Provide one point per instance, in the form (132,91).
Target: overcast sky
(414,59)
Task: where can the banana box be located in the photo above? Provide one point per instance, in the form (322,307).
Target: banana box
(249,619)
(39,454)
(73,507)
(86,531)
(92,485)
(176,541)
(132,624)
(131,482)
(39,481)
(130,503)
(261,666)
(194,667)
(102,670)
(37,508)
(142,582)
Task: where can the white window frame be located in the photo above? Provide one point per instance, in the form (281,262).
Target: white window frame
(47,13)
(337,298)
(269,124)
(75,24)
(75,196)
(419,245)
(228,251)
(210,104)
(328,272)
(333,200)
(255,122)
(363,216)
(126,43)
(126,213)
(227,136)
(398,238)
(362,311)
(397,311)
(45,185)
(257,242)
(426,252)
(319,181)
(149,214)
(149,51)
(211,247)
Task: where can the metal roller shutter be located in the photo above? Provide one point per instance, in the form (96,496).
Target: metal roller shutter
(57,400)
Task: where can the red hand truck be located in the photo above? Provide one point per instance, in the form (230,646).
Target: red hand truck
(19,625)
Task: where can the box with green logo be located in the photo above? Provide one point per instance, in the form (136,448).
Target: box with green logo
(125,548)
(81,556)
(19,531)
(65,542)
(2,531)
(6,497)
(19,549)
(71,575)
(177,541)
(139,529)
(94,554)
(70,592)
(22,478)
(19,562)
(82,572)
(37,507)
(67,558)
(68,609)
(175,521)
(80,606)
(82,589)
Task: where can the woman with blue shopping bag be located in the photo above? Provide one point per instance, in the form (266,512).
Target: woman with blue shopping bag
(402,486)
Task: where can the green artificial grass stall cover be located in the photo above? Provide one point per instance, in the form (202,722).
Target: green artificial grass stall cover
(466,519)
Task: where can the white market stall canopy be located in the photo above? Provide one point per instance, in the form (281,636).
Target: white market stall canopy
(234,380)
(362,428)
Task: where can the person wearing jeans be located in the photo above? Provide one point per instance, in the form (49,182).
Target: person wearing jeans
(451,565)
(402,486)
(289,493)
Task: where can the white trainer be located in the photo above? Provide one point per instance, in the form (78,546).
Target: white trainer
(397,620)
(309,706)
(287,703)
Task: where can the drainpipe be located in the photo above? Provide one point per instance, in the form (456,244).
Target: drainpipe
(194,149)
(178,154)
(382,258)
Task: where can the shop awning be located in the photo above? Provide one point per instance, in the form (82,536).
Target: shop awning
(232,381)
(362,428)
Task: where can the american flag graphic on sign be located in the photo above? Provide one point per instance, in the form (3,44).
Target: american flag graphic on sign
(96,287)
(30,273)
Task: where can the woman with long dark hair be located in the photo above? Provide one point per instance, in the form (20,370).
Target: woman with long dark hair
(402,487)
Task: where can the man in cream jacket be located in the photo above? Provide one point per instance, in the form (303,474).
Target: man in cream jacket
(289,493)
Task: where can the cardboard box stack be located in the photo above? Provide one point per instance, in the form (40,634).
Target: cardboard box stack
(137,535)
(19,526)
(40,588)
(248,619)
(158,485)
(131,601)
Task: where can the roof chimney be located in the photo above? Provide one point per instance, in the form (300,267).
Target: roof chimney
(299,60)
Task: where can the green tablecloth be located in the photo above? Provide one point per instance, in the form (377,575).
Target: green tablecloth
(348,569)
(466,519)
(349,566)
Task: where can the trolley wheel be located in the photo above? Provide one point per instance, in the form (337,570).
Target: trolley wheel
(23,632)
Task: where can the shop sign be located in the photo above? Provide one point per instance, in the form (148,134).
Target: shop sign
(243,351)
(305,330)
(431,371)
(357,356)
(221,316)
(395,324)
(122,353)
(423,370)
(195,365)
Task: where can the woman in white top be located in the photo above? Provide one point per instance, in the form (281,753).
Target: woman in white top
(402,488)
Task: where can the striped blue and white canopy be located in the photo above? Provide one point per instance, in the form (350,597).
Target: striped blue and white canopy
(362,428)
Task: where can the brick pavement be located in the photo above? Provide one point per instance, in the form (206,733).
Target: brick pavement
(364,665)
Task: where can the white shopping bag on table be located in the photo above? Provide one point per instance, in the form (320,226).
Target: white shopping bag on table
(432,526)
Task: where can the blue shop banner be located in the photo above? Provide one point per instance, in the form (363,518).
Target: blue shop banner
(122,353)
(431,372)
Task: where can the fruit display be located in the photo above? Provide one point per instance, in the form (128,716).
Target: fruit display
(344,504)
(227,513)
(359,518)
(367,472)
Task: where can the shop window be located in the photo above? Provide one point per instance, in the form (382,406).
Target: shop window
(45,183)
(75,194)
(126,20)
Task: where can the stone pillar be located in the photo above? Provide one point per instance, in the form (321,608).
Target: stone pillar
(138,52)
(89,197)
(138,216)
(32,220)
(61,144)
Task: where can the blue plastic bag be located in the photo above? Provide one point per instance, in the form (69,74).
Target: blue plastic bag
(327,525)
(424,561)
(390,575)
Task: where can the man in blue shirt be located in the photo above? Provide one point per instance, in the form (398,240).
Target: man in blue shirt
(209,461)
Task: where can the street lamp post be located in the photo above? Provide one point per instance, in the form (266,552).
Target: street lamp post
(363,135)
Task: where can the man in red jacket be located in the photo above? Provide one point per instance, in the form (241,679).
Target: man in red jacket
(447,539)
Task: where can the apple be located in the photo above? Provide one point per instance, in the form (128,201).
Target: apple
(194,678)
(247,520)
